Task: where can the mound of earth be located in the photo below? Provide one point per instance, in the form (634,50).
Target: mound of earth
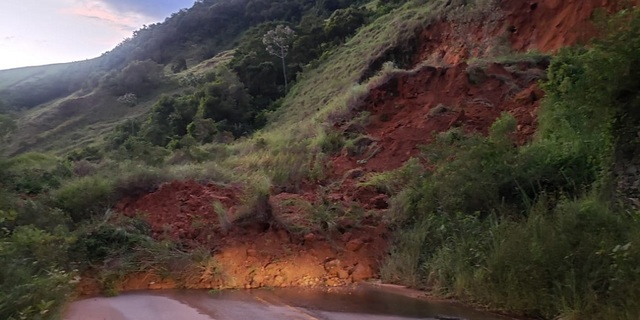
(185,211)
(248,253)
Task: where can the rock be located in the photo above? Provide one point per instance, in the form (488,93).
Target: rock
(258,280)
(252,252)
(346,236)
(332,266)
(361,272)
(309,237)
(354,245)
(354,173)
(278,281)
(380,201)
(333,282)
(343,274)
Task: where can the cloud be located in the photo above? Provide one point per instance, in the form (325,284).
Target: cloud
(98,10)
(156,9)
(126,14)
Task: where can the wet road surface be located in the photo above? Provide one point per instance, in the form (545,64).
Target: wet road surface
(276,304)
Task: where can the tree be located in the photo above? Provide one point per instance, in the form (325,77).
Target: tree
(277,42)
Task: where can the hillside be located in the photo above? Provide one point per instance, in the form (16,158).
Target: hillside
(478,150)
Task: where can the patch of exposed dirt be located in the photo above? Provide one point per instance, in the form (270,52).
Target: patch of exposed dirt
(185,211)
(548,25)
(251,259)
(249,253)
(520,26)
(409,109)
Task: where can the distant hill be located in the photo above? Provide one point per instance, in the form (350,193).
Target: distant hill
(63,106)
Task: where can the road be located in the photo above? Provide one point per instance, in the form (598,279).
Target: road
(277,304)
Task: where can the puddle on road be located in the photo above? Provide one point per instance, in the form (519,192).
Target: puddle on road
(362,302)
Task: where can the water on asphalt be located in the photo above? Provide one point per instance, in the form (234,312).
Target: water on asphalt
(268,304)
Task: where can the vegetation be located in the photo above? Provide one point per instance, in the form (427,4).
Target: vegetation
(155,61)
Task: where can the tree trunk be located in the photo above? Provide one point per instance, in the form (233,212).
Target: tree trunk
(284,70)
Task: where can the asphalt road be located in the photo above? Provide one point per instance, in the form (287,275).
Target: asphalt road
(266,304)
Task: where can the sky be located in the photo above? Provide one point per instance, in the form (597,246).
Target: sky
(37,32)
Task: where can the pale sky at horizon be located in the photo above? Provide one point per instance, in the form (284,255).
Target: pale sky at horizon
(37,32)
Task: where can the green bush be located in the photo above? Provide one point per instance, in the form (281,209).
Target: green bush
(35,280)
(85,197)
(34,173)
(98,241)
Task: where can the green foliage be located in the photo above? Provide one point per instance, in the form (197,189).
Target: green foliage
(532,229)
(35,278)
(392,182)
(138,77)
(96,242)
(139,180)
(225,100)
(7,125)
(344,22)
(85,197)
(34,173)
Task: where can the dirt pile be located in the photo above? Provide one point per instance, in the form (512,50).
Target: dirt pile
(252,258)
(248,253)
(185,211)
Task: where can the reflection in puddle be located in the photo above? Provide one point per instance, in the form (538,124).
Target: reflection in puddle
(363,302)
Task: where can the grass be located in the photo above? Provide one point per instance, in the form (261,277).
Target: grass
(392,182)
(18,76)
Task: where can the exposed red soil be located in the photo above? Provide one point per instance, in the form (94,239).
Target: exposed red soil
(548,25)
(523,25)
(249,253)
(252,258)
(411,108)
(183,211)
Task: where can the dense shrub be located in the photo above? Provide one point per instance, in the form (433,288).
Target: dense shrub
(34,173)
(85,197)
(35,274)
